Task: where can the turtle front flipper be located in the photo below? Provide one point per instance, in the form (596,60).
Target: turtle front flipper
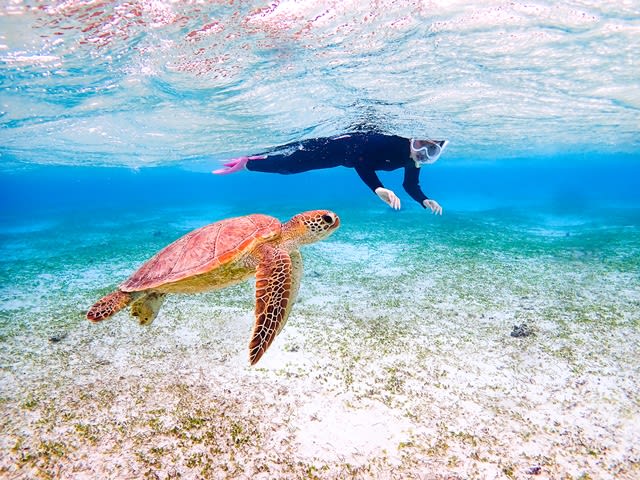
(273,294)
(109,305)
(296,276)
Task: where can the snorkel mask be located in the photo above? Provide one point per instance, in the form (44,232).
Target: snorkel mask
(429,153)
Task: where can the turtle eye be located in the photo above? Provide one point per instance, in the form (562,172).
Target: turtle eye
(327,219)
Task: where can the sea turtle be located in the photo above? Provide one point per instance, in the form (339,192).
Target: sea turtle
(222,254)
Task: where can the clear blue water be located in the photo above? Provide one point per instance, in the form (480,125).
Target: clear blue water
(113,115)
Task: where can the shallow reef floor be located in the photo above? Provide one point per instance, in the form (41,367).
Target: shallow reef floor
(398,361)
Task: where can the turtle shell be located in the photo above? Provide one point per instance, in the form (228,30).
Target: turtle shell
(204,249)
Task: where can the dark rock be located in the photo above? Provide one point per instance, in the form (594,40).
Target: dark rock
(58,337)
(521,330)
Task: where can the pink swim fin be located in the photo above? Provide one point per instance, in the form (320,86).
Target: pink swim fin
(236,164)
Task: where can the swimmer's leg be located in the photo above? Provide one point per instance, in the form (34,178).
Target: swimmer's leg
(296,162)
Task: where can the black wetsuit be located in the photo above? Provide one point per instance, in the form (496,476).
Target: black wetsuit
(366,152)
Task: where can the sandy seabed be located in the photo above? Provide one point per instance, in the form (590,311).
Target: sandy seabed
(394,364)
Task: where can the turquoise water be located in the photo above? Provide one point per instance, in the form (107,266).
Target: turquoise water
(398,359)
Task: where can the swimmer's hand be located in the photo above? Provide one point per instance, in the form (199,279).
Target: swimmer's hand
(236,164)
(433,205)
(388,197)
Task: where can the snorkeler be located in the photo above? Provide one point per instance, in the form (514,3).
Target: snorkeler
(365,152)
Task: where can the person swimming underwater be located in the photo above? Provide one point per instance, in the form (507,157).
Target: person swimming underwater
(366,152)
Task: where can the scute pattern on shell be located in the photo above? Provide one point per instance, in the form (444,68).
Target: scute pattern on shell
(202,250)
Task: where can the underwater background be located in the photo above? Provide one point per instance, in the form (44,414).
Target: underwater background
(499,340)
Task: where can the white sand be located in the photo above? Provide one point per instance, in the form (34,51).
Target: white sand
(420,380)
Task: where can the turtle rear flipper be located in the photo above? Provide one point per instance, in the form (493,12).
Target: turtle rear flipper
(109,305)
(146,308)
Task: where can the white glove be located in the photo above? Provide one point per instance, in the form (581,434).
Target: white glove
(388,197)
(433,205)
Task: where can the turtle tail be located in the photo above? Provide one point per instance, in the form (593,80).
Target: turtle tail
(109,305)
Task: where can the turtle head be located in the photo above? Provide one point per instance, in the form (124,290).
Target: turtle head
(311,226)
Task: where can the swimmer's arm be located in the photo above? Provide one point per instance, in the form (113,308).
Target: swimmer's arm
(411,185)
(371,180)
